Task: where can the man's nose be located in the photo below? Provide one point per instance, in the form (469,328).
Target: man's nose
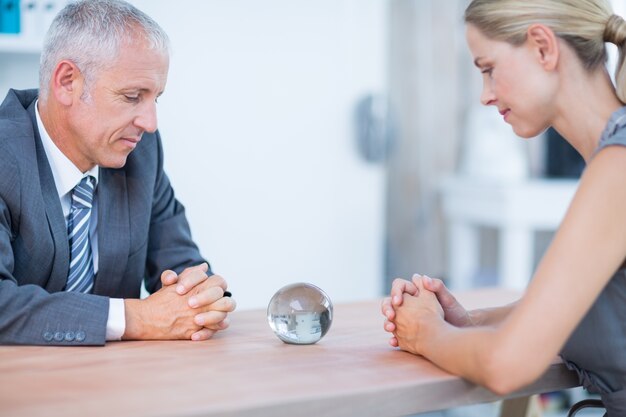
(147,119)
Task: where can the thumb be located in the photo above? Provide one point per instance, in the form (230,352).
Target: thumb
(418,280)
(431,284)
(444,296)
(168,277)
(422,282)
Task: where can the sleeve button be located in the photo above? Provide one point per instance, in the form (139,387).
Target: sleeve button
(59,336)
(48,336)
(80,336)
(70,336)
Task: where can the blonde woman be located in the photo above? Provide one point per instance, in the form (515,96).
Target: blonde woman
(543,64)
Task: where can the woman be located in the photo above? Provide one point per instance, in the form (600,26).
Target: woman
(543,64)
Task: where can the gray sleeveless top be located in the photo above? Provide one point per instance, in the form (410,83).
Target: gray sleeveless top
(597,348)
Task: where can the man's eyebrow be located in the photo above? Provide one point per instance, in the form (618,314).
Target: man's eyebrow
(139,90)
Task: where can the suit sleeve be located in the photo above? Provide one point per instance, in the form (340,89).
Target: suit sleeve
(170,245)
(29,315)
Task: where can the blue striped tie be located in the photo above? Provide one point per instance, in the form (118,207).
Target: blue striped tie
(80,277)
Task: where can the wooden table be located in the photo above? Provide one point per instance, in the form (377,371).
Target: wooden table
(246,371)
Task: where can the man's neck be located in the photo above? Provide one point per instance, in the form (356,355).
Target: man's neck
(52,117)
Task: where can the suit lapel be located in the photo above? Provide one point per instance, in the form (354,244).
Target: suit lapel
(54,213)
(113,224)
(113,231)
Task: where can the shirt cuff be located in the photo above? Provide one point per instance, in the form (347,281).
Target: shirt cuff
(116,323)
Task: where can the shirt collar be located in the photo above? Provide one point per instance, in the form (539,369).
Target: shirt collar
(616,122)
(66,174)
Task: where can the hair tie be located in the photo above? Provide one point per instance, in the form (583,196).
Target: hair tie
(614,30)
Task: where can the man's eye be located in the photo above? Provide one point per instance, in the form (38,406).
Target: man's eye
(132,98)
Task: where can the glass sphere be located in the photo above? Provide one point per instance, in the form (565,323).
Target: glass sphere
(300,313)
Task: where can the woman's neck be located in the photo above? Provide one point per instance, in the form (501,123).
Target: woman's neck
(586,104)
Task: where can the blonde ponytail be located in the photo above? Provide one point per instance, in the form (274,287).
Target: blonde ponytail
(615,32)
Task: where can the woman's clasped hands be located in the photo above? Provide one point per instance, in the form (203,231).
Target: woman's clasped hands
(416,308)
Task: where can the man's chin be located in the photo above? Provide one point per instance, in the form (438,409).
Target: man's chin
(114,163)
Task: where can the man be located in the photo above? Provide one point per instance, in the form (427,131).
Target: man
(86,211)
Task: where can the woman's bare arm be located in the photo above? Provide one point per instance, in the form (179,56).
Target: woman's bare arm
(587,249)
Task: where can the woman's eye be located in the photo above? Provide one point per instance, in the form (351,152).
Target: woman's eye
(487,71)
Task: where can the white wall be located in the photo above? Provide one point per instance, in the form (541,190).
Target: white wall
(257,127)
(18,70)
(257,124)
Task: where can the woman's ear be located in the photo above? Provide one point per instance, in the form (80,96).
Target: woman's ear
(544,44)
(66,78)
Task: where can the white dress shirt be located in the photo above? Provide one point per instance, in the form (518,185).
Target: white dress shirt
(66,177)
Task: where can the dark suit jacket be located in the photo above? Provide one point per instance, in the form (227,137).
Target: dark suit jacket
(142,230)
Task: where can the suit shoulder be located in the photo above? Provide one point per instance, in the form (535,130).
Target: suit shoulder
(15,122)
(17,134)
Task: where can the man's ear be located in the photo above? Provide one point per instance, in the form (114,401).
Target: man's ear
(66,82)
(542,40)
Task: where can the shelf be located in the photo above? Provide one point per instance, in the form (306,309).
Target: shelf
(19,44)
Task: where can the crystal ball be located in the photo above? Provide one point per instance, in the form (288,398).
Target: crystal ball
(300,313)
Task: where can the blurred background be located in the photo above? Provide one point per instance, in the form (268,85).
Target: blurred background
(338,142)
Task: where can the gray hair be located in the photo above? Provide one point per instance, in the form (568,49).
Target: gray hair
(584,24)
(90,33)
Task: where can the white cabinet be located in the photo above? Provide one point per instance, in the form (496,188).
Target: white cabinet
(516,209)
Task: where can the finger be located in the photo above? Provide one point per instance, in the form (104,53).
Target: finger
(209,318)
(387,309)
(443,294)
(425,291)
(433,284)
(219,326)
(216,281)
(225,304)
(204,267)
(399,287)
(393,342)
(205,297)
(203,334)
(389,327)
(438,287)
(418,280)
(168,278)
(191,277)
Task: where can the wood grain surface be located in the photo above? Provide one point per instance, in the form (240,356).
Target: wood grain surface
(246,371)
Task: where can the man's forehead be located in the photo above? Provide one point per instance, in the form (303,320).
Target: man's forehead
(140,66)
